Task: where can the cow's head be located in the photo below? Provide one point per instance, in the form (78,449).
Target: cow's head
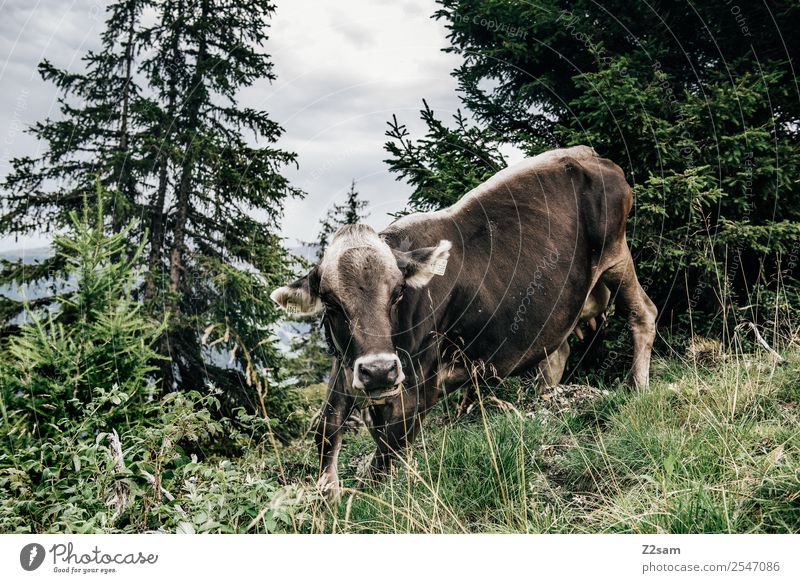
(358,284)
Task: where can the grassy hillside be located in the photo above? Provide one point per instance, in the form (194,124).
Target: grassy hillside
(710,447)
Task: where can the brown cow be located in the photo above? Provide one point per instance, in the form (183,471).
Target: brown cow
(493,284)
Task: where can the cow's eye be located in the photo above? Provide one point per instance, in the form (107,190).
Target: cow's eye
(331,305)
(398,295)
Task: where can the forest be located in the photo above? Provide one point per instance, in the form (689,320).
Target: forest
(144,387)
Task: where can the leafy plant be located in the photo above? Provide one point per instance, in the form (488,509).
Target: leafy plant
(88,442)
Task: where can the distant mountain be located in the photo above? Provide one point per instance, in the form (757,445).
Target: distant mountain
(284,331)
(28,255)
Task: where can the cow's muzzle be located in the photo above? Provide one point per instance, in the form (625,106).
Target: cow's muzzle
(377,371)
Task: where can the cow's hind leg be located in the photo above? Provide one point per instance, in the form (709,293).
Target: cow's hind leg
(551,368)
(641,312)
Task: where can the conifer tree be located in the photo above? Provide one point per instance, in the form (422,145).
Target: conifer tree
(697,105)
(155,115)
(96,137)
(95,343)
(350,212)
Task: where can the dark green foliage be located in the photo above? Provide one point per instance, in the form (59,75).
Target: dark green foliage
(715,205)
(88,442)
(155,117)
(700,113)
(446,163)
(95,347)
(72,376)
(218,262)
(520,59)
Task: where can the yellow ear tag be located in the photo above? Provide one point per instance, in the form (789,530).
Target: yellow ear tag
(439,266)
(292,308)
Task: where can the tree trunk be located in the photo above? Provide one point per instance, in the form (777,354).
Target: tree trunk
(157,217)
(194,102)
(179,240)
(156,232)
(124,177)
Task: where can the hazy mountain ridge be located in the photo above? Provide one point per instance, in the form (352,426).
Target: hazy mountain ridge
(285,331)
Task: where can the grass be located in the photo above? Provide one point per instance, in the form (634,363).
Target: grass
(712,446)
(708,448)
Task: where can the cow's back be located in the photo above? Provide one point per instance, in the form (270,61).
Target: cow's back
(526,244)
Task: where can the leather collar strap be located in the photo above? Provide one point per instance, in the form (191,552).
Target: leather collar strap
(382,398)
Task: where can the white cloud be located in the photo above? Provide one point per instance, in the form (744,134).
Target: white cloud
(343,69)
(29,32)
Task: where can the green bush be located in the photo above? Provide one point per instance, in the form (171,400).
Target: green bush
(706,135)
(88,444)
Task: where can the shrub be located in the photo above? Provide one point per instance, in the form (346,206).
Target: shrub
(88,444)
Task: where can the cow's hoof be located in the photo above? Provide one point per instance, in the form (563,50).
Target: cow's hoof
(330,488)
(364,469)
(381,468)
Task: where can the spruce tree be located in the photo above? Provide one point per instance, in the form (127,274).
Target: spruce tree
(155,115)
(350,212)
(446,163)
(96,137)
(96,341)
(213,259)
(695,101)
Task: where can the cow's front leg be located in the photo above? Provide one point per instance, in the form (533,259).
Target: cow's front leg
(330,429)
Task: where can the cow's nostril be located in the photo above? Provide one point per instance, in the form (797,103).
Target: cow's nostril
(364,371)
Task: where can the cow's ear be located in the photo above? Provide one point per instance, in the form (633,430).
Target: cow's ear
(420,265)
(300,297)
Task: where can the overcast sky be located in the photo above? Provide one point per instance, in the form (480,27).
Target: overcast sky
(343,69)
